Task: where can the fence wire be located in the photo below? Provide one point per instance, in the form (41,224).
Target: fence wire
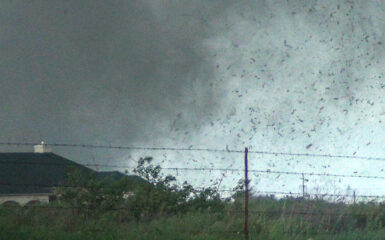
(257,194)
(227,150)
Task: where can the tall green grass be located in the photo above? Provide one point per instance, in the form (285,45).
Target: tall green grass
(269,219)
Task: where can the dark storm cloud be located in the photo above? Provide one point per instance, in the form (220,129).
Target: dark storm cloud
(83,71)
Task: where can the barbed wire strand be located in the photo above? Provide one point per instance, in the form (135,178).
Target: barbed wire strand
(257,212)
(84,187)
(237,232)
(195,149)
(198,169)
(261,193)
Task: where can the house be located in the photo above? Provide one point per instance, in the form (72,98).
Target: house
(31,177)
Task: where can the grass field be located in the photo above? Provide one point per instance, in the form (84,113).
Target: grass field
(269,219)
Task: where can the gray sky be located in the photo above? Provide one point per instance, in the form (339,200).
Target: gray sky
(270,75)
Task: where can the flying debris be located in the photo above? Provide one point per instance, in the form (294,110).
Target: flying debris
(227,148)
(167,81)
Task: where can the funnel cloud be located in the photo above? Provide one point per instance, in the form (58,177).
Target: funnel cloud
(113,72)
(290,76)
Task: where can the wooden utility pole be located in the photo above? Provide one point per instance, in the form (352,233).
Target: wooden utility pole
(246,230)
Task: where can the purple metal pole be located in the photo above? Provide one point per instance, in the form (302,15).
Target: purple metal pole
(246,230)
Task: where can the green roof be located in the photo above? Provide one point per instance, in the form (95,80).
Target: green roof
(39,172)
(34,172)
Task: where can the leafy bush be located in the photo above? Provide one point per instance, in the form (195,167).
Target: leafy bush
(155,196)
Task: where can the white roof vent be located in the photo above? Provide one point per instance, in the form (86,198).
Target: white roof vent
(42,148)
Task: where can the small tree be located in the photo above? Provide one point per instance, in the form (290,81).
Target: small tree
(156,195)
(87,195)
(161,196)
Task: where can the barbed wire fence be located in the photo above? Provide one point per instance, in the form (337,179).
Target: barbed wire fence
(246,170)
